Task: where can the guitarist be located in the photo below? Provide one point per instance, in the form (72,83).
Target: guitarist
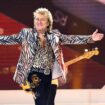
(40,59)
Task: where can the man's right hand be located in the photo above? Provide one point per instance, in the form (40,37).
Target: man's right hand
(1,31)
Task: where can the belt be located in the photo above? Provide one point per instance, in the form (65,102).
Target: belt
(40,70)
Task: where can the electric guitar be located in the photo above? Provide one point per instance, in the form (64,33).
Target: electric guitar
(86,55)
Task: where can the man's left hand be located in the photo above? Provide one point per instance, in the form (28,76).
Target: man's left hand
(97,36)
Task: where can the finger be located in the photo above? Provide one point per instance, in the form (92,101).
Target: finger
(101,35)
(96,31)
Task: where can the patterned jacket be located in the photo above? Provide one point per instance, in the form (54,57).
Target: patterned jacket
(27,38)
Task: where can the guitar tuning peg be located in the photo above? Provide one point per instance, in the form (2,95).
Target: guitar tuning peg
(96,48)
(86,50)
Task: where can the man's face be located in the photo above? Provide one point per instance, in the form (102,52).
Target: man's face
(40,22)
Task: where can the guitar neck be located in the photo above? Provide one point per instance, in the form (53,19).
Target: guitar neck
(74,60)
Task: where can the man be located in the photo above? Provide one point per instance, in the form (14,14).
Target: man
(41,57)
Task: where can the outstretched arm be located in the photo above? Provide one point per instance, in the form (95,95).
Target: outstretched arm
(79,39)
(11,39)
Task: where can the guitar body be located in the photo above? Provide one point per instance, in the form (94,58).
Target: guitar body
(33,81)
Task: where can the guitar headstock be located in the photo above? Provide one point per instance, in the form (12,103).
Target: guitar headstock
(89,54)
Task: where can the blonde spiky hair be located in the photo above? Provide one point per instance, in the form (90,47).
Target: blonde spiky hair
(45,11)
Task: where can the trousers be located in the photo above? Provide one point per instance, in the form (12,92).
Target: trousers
(53,90)
(41,89)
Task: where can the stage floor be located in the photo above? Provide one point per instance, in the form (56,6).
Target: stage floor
(63,97)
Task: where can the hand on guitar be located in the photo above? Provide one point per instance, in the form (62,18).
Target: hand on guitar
(26,87)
